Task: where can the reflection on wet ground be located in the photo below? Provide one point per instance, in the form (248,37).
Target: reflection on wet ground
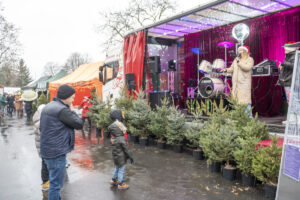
(156,174)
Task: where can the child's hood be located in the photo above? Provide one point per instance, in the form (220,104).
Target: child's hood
(116,115)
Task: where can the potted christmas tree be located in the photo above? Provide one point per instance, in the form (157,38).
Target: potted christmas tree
(159,121)
(225,140)
(192,134)
(266,165)
(138,119)
(244,156)
(175,129)
(210,133)
(253,132)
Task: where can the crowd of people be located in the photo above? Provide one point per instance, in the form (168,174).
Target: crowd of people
(10,104)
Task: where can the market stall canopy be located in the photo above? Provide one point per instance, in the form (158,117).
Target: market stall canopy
(34,84)
(84,79)
(43,85)
(215,14)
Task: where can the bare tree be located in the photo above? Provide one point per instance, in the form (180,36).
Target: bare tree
(7,74)
(51,68)
(9,44)
(138,14)
(74,60)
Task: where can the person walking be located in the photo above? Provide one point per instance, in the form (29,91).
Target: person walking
(44,171)
(85,105)
(11,104)
(3,103)
(120,151)
(28,111)
(57,126)
(19,105)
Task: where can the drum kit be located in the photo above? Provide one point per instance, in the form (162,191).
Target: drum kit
(214,83)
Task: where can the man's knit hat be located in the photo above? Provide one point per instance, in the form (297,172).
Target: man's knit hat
(65,91)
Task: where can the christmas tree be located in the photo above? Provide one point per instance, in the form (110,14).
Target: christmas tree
(245,154)
(124,103)
(211,133)
(193,133)
(138,116)
(42,100)
(266,163)
(100,112)
(175,127)
(159,120)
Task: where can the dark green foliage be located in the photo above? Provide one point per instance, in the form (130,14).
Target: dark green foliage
(245,153)
(100,112)
(138,116)
(42,100)
(193,133)
(22,74)
(124,103)
(159,120)
(211,132)
(175,127)
(266,163)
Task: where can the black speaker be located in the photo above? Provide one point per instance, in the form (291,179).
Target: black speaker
(130,82)
(172,65)
(154,64)
(155,98)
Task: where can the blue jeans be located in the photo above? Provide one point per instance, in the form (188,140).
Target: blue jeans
(57,171)
(119,174)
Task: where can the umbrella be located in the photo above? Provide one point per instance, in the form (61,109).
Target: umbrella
(29,95)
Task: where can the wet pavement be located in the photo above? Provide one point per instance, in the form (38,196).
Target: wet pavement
(156,174)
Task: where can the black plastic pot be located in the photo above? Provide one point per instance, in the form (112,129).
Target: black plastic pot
(215,167)
(229,174)
(198,155)
(161,145)
(177,148)
(270,191)
(144,142)
(248,180)
(134,139)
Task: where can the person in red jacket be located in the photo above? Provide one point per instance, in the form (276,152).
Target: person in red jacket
(85,105)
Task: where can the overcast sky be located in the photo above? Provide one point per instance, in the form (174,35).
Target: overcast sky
(50,30)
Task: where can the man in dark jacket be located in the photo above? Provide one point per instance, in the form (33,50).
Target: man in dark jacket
(57,126)
(119,149)
(11,104)
(28,111)
(286,69)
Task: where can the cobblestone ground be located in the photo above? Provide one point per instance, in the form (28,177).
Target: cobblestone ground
(156,174)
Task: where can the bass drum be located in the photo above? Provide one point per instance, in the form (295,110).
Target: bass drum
(211,87)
